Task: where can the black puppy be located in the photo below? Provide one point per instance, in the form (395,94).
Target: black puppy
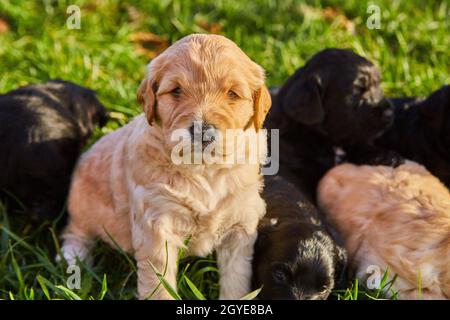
(421,132)
(295,257)
(43,129)
(335,100)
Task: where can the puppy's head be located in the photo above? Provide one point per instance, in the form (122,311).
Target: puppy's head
(86,110)
(435,112)
(338,93)
(204,84)
(295,260)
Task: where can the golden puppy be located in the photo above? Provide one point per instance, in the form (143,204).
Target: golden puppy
(393,218)
(127,187)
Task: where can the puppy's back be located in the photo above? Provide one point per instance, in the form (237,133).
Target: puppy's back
(399,218)
(286,199)
(39,147)
(98,190)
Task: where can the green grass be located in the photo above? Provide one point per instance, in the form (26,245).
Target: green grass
(411,48)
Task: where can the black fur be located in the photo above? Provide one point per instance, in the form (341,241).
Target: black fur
(295,256)
(43,129)
(335,100)
(421,132)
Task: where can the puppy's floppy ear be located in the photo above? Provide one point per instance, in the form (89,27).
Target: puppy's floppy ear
(146,96)
(261,106)
(302,101)
(434,107)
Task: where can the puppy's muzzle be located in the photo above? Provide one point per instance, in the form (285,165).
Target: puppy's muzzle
(203,133)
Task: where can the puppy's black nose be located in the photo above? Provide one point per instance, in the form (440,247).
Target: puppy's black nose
(203,132)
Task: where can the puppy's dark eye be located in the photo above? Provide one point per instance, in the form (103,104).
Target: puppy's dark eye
(279,276)
(232,95)
(176,92)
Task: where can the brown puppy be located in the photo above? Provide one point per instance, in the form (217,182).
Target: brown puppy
(393,218)
(129,187)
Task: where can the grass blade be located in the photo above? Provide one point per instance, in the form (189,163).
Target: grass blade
(194,289)
(69,293)
(165,284)
(252,295)
(104,288)
(44,288)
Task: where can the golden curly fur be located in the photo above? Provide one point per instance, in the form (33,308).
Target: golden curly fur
(127,186)
(393,218)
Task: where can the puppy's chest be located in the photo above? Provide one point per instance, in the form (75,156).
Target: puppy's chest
(212,215)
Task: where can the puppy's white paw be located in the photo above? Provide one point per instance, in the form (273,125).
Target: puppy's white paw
(75,247)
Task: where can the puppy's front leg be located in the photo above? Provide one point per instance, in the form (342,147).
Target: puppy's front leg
(234,258)
(161,224)
(156,242)
(152,247)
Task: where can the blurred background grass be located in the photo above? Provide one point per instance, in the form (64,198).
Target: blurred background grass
(118,38)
